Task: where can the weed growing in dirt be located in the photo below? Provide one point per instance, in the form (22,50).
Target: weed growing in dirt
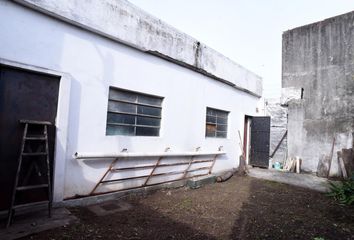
(343,192)
(185,204)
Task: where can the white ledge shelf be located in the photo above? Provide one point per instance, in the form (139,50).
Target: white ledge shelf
(93,155)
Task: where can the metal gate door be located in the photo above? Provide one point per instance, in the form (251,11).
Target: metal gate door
(260,134)
(23,95)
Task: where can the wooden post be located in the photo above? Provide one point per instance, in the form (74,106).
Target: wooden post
(330,157)
(342,165)
(241,145)
(281,140)
(242,166)
(298,165)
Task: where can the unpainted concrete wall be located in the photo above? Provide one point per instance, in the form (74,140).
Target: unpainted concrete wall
(319,58)
(278,126)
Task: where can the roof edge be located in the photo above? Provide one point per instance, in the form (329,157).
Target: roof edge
(318,22)
(123,22)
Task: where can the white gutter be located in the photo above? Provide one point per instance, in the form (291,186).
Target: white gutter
(97,155)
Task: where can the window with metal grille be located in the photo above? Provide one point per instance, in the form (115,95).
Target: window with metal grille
(216,123)
(132,113)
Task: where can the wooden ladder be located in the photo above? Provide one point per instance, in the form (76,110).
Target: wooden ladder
(27,154)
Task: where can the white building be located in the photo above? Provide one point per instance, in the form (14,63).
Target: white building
(162,81)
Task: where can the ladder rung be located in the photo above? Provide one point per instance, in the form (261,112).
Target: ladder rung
(22,188)
(36,138)
(43,138)
(36,122)
(34,154)
(30,204)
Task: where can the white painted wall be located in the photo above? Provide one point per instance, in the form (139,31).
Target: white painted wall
(124,22)
(95,63)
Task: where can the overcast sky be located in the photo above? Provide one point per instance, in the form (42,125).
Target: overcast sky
(247,31)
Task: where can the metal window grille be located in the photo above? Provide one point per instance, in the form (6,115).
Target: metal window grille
(216,123)
(133,114)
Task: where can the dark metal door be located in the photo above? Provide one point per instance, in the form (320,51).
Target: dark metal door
(260,134)
(23,95)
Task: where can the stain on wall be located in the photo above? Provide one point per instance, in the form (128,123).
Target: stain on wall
(319,59)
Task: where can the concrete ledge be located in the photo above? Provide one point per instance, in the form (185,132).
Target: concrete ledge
(300,180)
(96,199)
(90,200)
(199,182)
(123,22)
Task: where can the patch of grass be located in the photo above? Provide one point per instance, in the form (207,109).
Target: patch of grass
(343,192)
(185,204)
(274,183)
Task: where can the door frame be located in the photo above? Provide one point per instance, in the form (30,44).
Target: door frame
(61,123)
(247,137)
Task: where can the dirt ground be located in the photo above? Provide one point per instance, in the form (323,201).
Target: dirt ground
(241,208)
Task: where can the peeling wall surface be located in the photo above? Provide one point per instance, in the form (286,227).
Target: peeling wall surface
(92,63)
(124,22)
(278,127)
(319,58)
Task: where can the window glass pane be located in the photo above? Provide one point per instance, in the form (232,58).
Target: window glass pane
(124,113)
(220,127)
(210,134)
(148,121)
(222,114)
(122,95)
(210,130)
(149,111)
(211,119)
(146,131)
(119,130)
(221,134)
(121,107)
(221,120)
(120,118)
(211,112)
(149,100)
(216,123)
